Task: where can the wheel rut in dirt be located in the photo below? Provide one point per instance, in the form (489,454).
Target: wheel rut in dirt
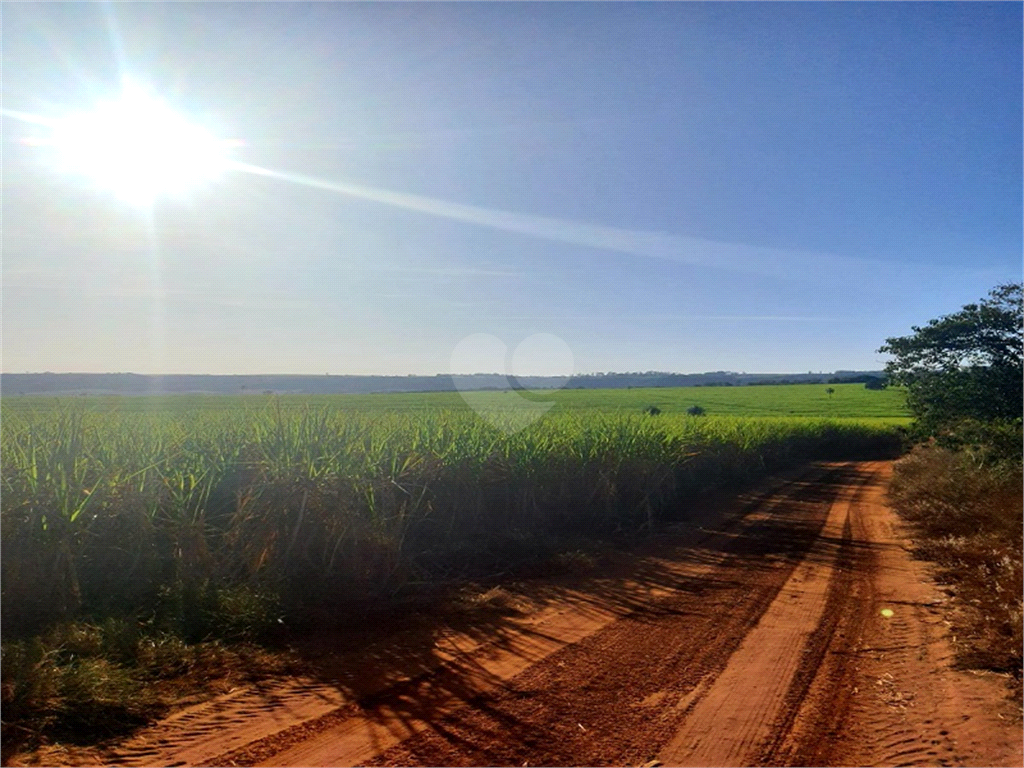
(888,691)
(750,705)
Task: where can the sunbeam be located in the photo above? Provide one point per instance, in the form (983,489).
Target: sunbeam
(26,117)
(656,245)
(732,257)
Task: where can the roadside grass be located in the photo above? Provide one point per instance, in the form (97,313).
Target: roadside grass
(145,551)
(80,682)
(967,507)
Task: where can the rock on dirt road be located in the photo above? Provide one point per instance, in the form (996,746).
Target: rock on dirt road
(789,627)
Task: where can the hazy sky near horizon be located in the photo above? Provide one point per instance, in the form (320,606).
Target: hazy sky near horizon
(663,186)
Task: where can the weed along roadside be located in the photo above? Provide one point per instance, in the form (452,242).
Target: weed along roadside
(965,511)
(147,546)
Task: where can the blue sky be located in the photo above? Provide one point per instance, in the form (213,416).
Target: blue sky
(683,187)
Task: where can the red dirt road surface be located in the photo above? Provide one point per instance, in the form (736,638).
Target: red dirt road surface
(789,627)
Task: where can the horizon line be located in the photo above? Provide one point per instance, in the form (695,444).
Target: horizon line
(439,375)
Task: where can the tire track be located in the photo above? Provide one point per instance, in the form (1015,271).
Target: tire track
(198,733)
(746,710)
(885,693)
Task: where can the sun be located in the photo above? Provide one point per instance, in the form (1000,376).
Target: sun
(139,147)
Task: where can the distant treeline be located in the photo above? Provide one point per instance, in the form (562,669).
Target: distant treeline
(135,384)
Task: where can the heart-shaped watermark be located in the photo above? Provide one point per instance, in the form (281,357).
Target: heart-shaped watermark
(542,354)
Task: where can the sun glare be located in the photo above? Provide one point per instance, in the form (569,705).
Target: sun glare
(139,147)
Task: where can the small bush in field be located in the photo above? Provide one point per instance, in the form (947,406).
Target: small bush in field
(695,410)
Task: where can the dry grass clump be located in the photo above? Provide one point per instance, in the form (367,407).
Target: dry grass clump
(82,680)
(496,598)
(968,509)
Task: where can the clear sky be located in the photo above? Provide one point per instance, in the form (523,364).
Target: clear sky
(682,187)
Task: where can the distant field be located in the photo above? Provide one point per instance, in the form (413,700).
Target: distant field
(849,401)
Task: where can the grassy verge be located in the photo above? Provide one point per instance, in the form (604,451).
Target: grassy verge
(967,507)
(80,682)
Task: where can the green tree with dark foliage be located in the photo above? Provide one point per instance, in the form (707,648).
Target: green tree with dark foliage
(967,365)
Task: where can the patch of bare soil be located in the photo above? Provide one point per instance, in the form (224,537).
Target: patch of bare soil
(788,627)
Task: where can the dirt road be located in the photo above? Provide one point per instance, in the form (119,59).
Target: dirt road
(788,627)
